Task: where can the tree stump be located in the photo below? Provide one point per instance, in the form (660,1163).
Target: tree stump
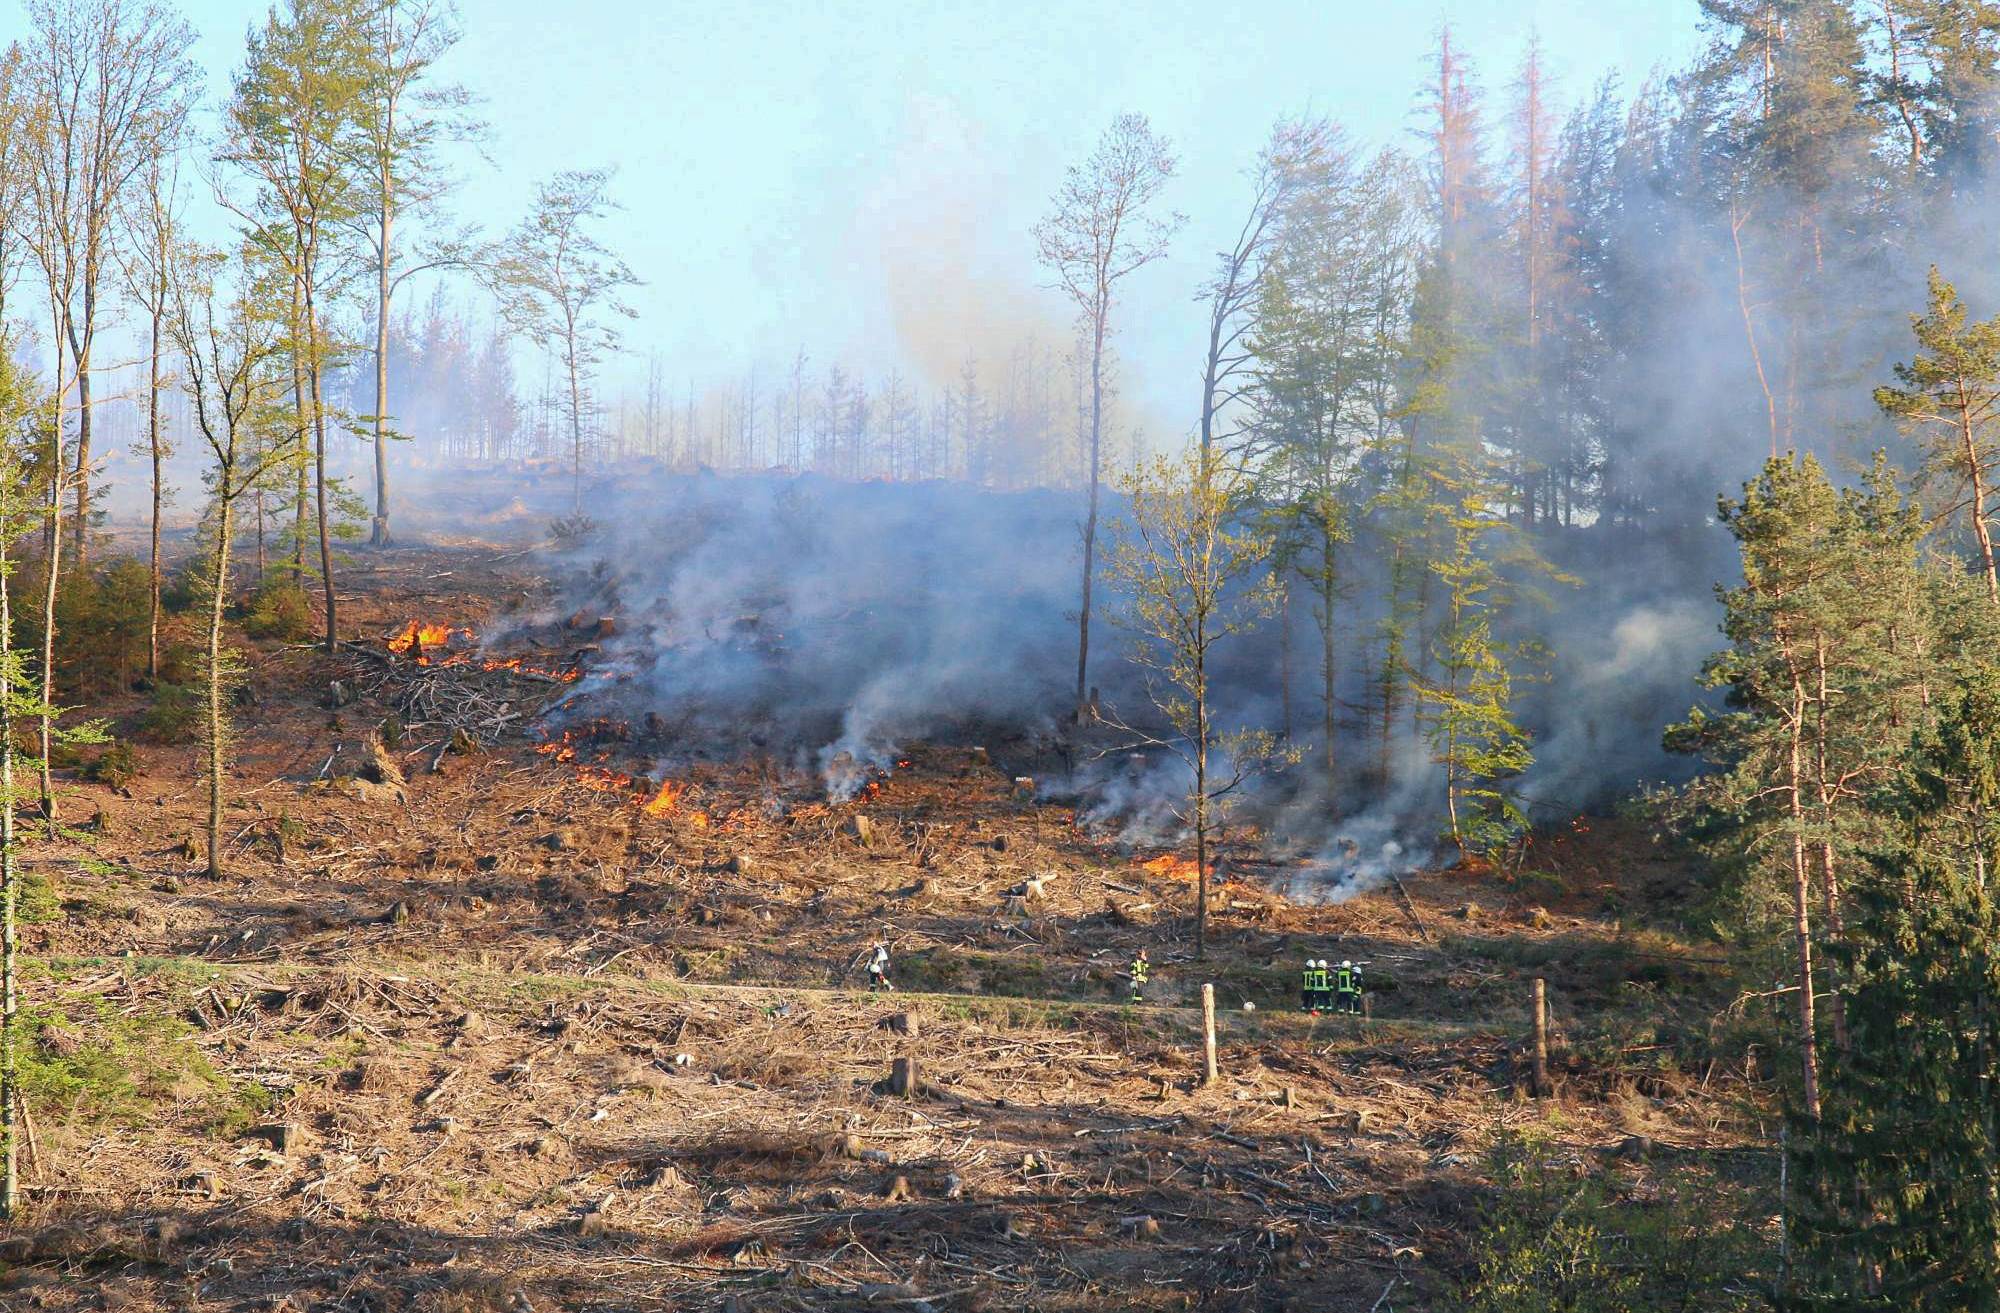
(903,1079)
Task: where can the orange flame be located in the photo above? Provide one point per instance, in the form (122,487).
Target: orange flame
(424,638)
(1171,866)
(428,641)
(666,801)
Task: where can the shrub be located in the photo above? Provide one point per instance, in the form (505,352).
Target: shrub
(93,1064)
(1557,1238)
(101,623)
(172,717)
(36,900)
(279,610)
(116,766)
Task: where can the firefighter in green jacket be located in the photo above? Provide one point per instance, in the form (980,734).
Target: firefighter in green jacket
(1140,968)
(1347,987)
(1309,987)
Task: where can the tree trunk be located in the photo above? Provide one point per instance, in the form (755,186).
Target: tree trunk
(299,488)
(48,714)
(379,536)
(1977,476)
(1328,709)
(575,422)
(9,896)
(219,579)
(153,440)
(1829,879)
(83,413)
(1285,660)
(1801,905)
(1750,331)
(1200,809)
(1090,519)
(319,475)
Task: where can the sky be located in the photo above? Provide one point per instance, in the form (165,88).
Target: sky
(861,177)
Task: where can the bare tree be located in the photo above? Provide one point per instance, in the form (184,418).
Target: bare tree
(230,345)
(1297,155)
(1101,226)
(401,123)
(560,287)
(14,181)
(154,223)
(1194,571)
(111,81)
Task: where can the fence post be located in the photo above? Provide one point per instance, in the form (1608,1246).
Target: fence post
(1541,1038)
(1208,1028)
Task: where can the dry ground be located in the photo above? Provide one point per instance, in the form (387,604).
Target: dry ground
(498,1037)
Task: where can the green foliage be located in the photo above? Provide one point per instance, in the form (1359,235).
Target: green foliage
(1900,1197)
(94,1064)
(1948,395)
(1467,707)
(1192,570)
(101,624)
(36,899)
(1558,1238)
(174,714)
(279,610)
(117,765)
(1830,638)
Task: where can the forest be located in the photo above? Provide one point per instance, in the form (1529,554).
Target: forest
(455,760)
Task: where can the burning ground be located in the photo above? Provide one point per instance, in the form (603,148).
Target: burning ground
(527,1005)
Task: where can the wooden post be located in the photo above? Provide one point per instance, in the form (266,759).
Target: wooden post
(1208,1028)
(1541,1038)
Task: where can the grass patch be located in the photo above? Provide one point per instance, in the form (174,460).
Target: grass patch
(98,1065)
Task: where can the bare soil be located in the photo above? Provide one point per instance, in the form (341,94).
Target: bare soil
(497,1034)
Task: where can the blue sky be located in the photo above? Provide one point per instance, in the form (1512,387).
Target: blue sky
(861,176)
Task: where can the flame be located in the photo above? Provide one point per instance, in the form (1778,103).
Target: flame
(521,664)
(425,638)
(666,801)
(429,642)
(1172,866)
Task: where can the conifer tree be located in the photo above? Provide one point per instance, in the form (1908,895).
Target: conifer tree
(1901,1187)
(21,512)
(1949,395)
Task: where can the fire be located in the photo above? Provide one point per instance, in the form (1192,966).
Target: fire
(666,801)
(521,664)
(1172,866)
(430,643)
(426,638)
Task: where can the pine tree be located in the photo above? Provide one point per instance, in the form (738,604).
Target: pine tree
(1901,1178)
(1949,395)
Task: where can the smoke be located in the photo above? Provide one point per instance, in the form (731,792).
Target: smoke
(829,623)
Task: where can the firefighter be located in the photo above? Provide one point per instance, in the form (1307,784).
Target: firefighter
(1347,988)
(1309,988)
(878,964)
(1139,971)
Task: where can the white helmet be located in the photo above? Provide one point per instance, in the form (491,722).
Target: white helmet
(1344,965)
(1319,964)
